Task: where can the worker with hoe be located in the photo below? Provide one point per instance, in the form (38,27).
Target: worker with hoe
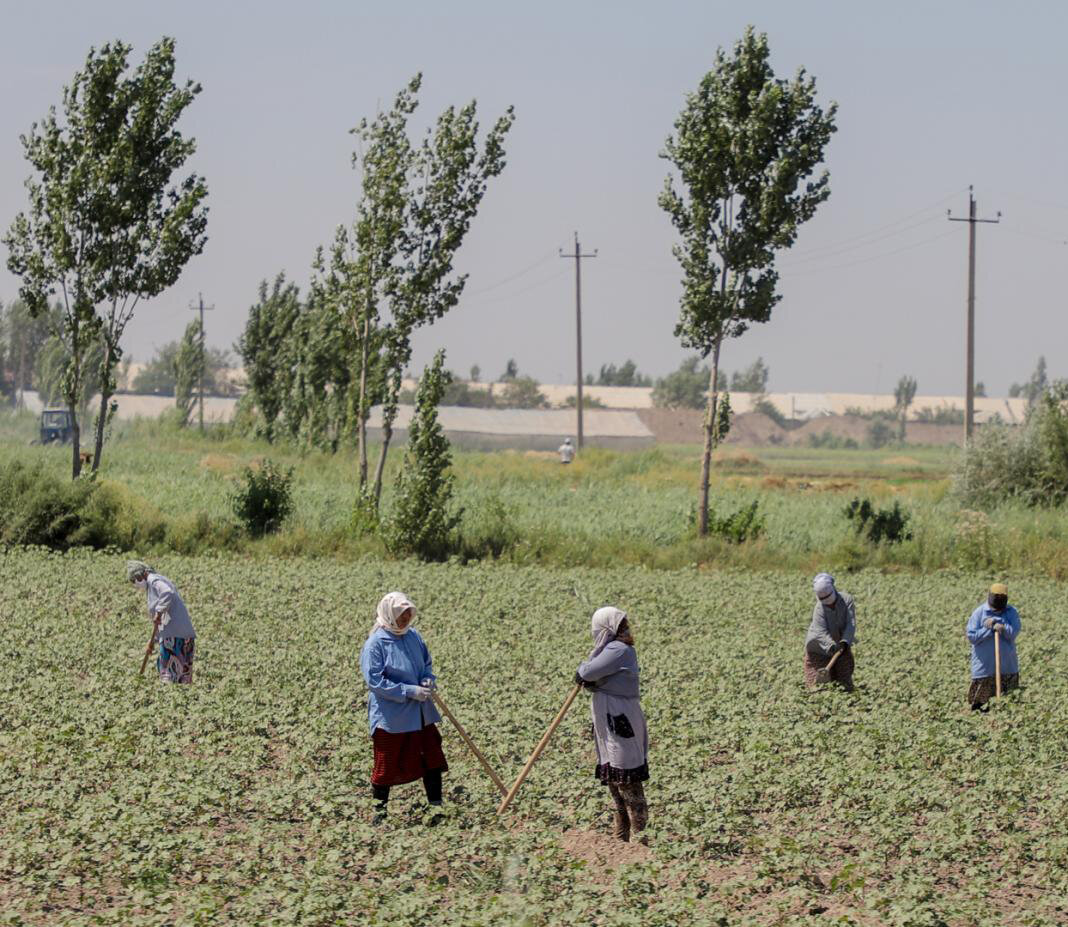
(992,631)
(173,629)
(400,679)
(611,673)
(829,643)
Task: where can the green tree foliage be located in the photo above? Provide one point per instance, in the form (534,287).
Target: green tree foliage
(52,364)
(1034,388)
(264,499)
(904,393)
(626,374)
(189,365)
(879,526)
(744,150)
(423,521)
(22,336)
(754,379)
(511,371)
(157,375)
(521,393)
(106,227)
(391,273)
(687,387)
(1027,462)
(267,350)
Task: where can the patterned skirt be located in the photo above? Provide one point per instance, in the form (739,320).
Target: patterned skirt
(981,690)
(175,659)
(841,672)
(401,758)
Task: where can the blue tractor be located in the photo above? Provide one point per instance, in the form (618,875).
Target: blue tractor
(55,426)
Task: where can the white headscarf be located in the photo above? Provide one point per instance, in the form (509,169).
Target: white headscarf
(605,624)
(392,606)
(823,586)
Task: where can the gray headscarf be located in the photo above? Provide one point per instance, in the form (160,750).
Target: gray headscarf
(605,625)
(392,606)
(136,568)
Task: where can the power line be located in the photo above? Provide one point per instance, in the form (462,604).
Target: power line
(578,257)
(519,273)
(533,286)
(868,260)
(865,244)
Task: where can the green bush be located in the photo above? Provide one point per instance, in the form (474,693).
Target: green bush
(39,508)
(423,521)
(491,533)
(827,439)
(264,500)
(881,433)
(879,525)
(745,524)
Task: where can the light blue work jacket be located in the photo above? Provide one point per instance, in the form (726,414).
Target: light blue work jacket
(982,641)
(391,665)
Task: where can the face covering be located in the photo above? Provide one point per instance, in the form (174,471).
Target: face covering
(141,583)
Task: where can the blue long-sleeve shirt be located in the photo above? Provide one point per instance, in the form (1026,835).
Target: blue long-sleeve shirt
(982,641)
(392,664)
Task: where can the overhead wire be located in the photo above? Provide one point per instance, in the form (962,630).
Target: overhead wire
(868,260)
(515,276)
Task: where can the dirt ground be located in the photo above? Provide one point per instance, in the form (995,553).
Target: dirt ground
(754,429)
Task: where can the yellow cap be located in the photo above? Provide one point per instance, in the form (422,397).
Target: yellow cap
(999,589)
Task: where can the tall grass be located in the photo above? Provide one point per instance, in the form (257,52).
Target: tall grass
(169,490)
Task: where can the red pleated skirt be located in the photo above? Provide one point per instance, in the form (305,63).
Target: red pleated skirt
(401,758)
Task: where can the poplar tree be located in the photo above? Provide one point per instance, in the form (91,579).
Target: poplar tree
(106,227)
(392,273)
(744,150)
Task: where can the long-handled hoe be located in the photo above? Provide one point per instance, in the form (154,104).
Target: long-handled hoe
(824,674)
(542,744)
(149,648)
(997,664)
(470,743)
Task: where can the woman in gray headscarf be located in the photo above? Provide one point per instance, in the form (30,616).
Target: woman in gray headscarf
(611,673)
(832,631)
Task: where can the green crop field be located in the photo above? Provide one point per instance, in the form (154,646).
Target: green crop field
(243,799)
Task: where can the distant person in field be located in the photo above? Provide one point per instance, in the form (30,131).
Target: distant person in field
(832,632)
(995,615)
(174,630)
(567,451)
(611,673)
(402,716)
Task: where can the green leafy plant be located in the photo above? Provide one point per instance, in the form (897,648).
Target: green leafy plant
(423,521)
(879,525)
(263,499)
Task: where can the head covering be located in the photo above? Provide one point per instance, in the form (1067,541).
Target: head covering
(998,597)
(823,586)
(136,568)
(605,624)
(567,440)
(392,606)
(999,589)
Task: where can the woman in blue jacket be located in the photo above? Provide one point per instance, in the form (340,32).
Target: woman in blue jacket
(995,616)
(399,674)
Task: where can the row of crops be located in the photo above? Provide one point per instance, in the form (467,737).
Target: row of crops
(243,798)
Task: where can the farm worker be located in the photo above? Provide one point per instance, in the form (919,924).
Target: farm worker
(995,615)
(174,629)
(833,629)
(402,717)
(567,452)
(611,672)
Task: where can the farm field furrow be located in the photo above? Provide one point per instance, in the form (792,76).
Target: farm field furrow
(244,798)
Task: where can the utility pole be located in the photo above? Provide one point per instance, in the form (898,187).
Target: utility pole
(578,256)
(969,386)
(200,307)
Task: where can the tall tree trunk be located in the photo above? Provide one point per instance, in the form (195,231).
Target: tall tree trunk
(710,440)
(387,435)
(361,404)
(105,398)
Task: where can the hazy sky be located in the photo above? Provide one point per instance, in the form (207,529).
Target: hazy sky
(932,97)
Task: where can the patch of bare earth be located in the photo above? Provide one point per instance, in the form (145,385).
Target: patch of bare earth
(603,853)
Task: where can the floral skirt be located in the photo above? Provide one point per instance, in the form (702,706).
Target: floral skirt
(401,758)
(175,660)
(981,690)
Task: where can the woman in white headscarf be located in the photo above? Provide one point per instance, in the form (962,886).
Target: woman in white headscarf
(611,673)
(402,717)
(833,630)
(173,628)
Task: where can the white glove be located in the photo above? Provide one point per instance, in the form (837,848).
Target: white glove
(419,693)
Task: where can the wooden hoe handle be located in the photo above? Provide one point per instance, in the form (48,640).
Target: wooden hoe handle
(997,664)
(148,649)
(470,744)
(542,744)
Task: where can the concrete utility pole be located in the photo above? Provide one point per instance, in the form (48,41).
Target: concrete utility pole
(200,307)
(578,256)
(969,386)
